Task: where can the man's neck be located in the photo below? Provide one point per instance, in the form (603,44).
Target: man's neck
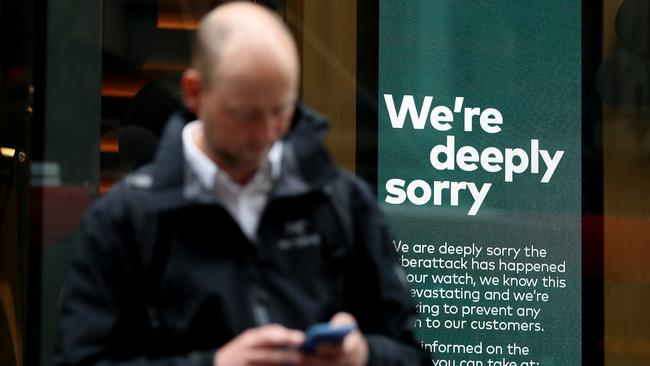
(236,174)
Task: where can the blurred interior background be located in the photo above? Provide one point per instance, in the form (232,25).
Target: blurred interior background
(86,86)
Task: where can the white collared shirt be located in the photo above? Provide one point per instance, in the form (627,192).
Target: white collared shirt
(245,203)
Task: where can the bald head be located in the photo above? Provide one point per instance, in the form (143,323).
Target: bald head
(243,86)
(242,34)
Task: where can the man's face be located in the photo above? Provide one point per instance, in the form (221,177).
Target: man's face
(244,111)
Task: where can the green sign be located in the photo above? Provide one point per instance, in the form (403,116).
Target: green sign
(479,173)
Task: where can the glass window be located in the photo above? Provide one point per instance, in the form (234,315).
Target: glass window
(87,86)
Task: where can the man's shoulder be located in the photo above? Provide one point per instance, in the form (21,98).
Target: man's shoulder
(132,192)
(355,199)
(353,185)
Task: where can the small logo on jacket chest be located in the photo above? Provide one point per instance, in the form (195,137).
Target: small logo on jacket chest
(297,235)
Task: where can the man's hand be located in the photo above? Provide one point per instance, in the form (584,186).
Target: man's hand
(268,345)
(353,351)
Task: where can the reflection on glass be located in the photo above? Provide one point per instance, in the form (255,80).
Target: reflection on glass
(624,85)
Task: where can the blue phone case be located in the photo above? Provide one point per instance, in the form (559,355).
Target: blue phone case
(324,333)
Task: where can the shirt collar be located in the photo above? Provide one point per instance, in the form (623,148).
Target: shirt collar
(206,171)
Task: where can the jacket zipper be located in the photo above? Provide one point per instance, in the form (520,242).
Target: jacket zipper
(260,306)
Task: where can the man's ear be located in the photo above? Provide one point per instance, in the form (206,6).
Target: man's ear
(191,87)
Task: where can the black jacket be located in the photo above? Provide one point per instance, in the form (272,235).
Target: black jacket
(163,274)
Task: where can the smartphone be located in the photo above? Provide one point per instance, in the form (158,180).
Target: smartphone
(325,333)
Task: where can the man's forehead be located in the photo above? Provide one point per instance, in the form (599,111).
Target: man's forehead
(250,104)
(248,89)
(246,63)
(259,40)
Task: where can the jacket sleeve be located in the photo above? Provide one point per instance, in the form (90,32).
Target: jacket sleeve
(102,318)
(376,289)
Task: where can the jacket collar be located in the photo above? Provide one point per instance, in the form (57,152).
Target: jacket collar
(306,165)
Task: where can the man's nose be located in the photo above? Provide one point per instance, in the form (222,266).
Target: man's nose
(267,125)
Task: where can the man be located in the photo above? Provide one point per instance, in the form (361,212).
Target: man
(240,234)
